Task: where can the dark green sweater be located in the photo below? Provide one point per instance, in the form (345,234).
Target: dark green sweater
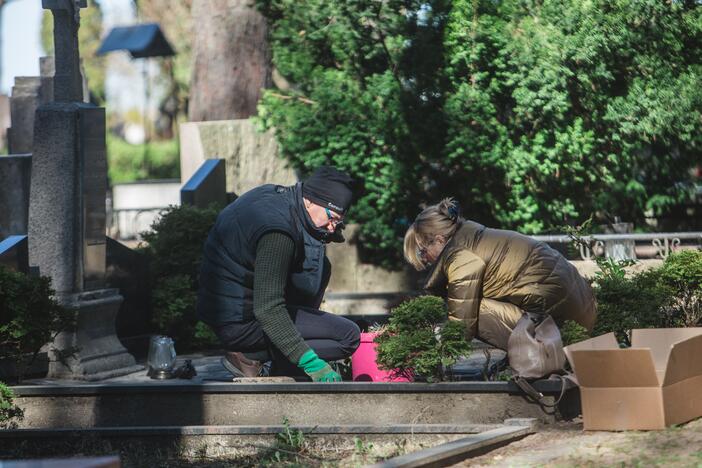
(274,256)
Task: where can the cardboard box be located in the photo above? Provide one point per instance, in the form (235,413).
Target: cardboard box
(654,384)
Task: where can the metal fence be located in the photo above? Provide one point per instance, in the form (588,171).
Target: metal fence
(129,223)
(651,245)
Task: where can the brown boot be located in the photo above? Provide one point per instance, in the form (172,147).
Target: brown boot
(241,366)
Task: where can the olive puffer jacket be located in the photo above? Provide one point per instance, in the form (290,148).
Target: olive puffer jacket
(506,266)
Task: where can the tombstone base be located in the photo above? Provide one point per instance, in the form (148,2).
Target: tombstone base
(93,351)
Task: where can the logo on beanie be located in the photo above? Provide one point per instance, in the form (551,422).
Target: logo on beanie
(335,207)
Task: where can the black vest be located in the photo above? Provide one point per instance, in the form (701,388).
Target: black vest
(225,293)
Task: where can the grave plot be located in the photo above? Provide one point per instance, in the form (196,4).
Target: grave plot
(209,419)
(212,399)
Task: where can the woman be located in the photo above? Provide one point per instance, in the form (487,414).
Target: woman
(491,276)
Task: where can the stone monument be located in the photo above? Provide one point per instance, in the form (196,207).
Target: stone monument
(28,93)
(67,213)
(4,120)
(24,101)
(251,156)
(15,177)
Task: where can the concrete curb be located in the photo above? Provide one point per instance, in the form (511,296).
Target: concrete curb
(452,452)
(180,386)
(146,431)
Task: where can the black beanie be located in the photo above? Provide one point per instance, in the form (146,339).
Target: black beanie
(330,188)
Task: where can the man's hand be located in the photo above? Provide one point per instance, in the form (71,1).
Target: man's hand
(316,368)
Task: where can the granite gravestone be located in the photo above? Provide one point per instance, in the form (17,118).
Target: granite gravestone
(15,170)
(67,213)
(251,157)
(207,187)
(15,176)
(25,98)
(4,120)
(14,255)
(28,93)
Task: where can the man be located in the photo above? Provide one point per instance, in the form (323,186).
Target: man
(264,273)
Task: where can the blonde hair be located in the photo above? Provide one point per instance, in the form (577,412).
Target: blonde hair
(441,219)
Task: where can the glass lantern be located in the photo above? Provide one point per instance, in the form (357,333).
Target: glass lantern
(162,357)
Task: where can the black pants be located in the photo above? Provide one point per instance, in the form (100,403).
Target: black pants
(330,336)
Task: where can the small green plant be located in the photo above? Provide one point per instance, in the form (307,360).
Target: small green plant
(361,448)
(668,296)
(504,375)
(572,332)
(290,449)
(174,248)
(419,341)
(625,301)
(30,317)
(10,413)
(682,273)
(683,269)
(290,439)
(628,302)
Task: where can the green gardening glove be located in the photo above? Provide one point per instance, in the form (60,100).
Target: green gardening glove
(316,368)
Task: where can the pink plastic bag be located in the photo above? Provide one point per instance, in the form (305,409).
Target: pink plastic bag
(363,365)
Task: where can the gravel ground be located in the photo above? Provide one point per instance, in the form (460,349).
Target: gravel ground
(567,445)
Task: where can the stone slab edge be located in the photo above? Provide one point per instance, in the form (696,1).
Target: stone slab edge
(82,389)
(453,451)
(145,431)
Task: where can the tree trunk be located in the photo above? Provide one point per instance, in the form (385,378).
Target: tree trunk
(231,60)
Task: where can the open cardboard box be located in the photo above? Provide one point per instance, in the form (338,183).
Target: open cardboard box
(654,384)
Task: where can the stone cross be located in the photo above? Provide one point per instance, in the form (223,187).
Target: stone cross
(67,213)
(67,80)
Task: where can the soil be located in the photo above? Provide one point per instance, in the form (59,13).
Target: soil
(567,445)
(558,445)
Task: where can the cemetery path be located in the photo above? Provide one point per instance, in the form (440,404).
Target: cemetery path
(566,444)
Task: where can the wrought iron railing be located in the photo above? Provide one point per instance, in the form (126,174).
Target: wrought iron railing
(662,243)
(128,223)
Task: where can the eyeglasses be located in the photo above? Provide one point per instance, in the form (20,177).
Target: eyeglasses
(422,253)
(334,221)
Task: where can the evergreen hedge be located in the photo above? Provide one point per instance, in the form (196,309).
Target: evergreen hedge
(533,114)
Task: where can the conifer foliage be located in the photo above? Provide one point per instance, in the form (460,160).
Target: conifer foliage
(533,114)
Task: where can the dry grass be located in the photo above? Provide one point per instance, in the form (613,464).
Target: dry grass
(317,452)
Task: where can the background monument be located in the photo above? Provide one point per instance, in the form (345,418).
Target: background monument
(67,212)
